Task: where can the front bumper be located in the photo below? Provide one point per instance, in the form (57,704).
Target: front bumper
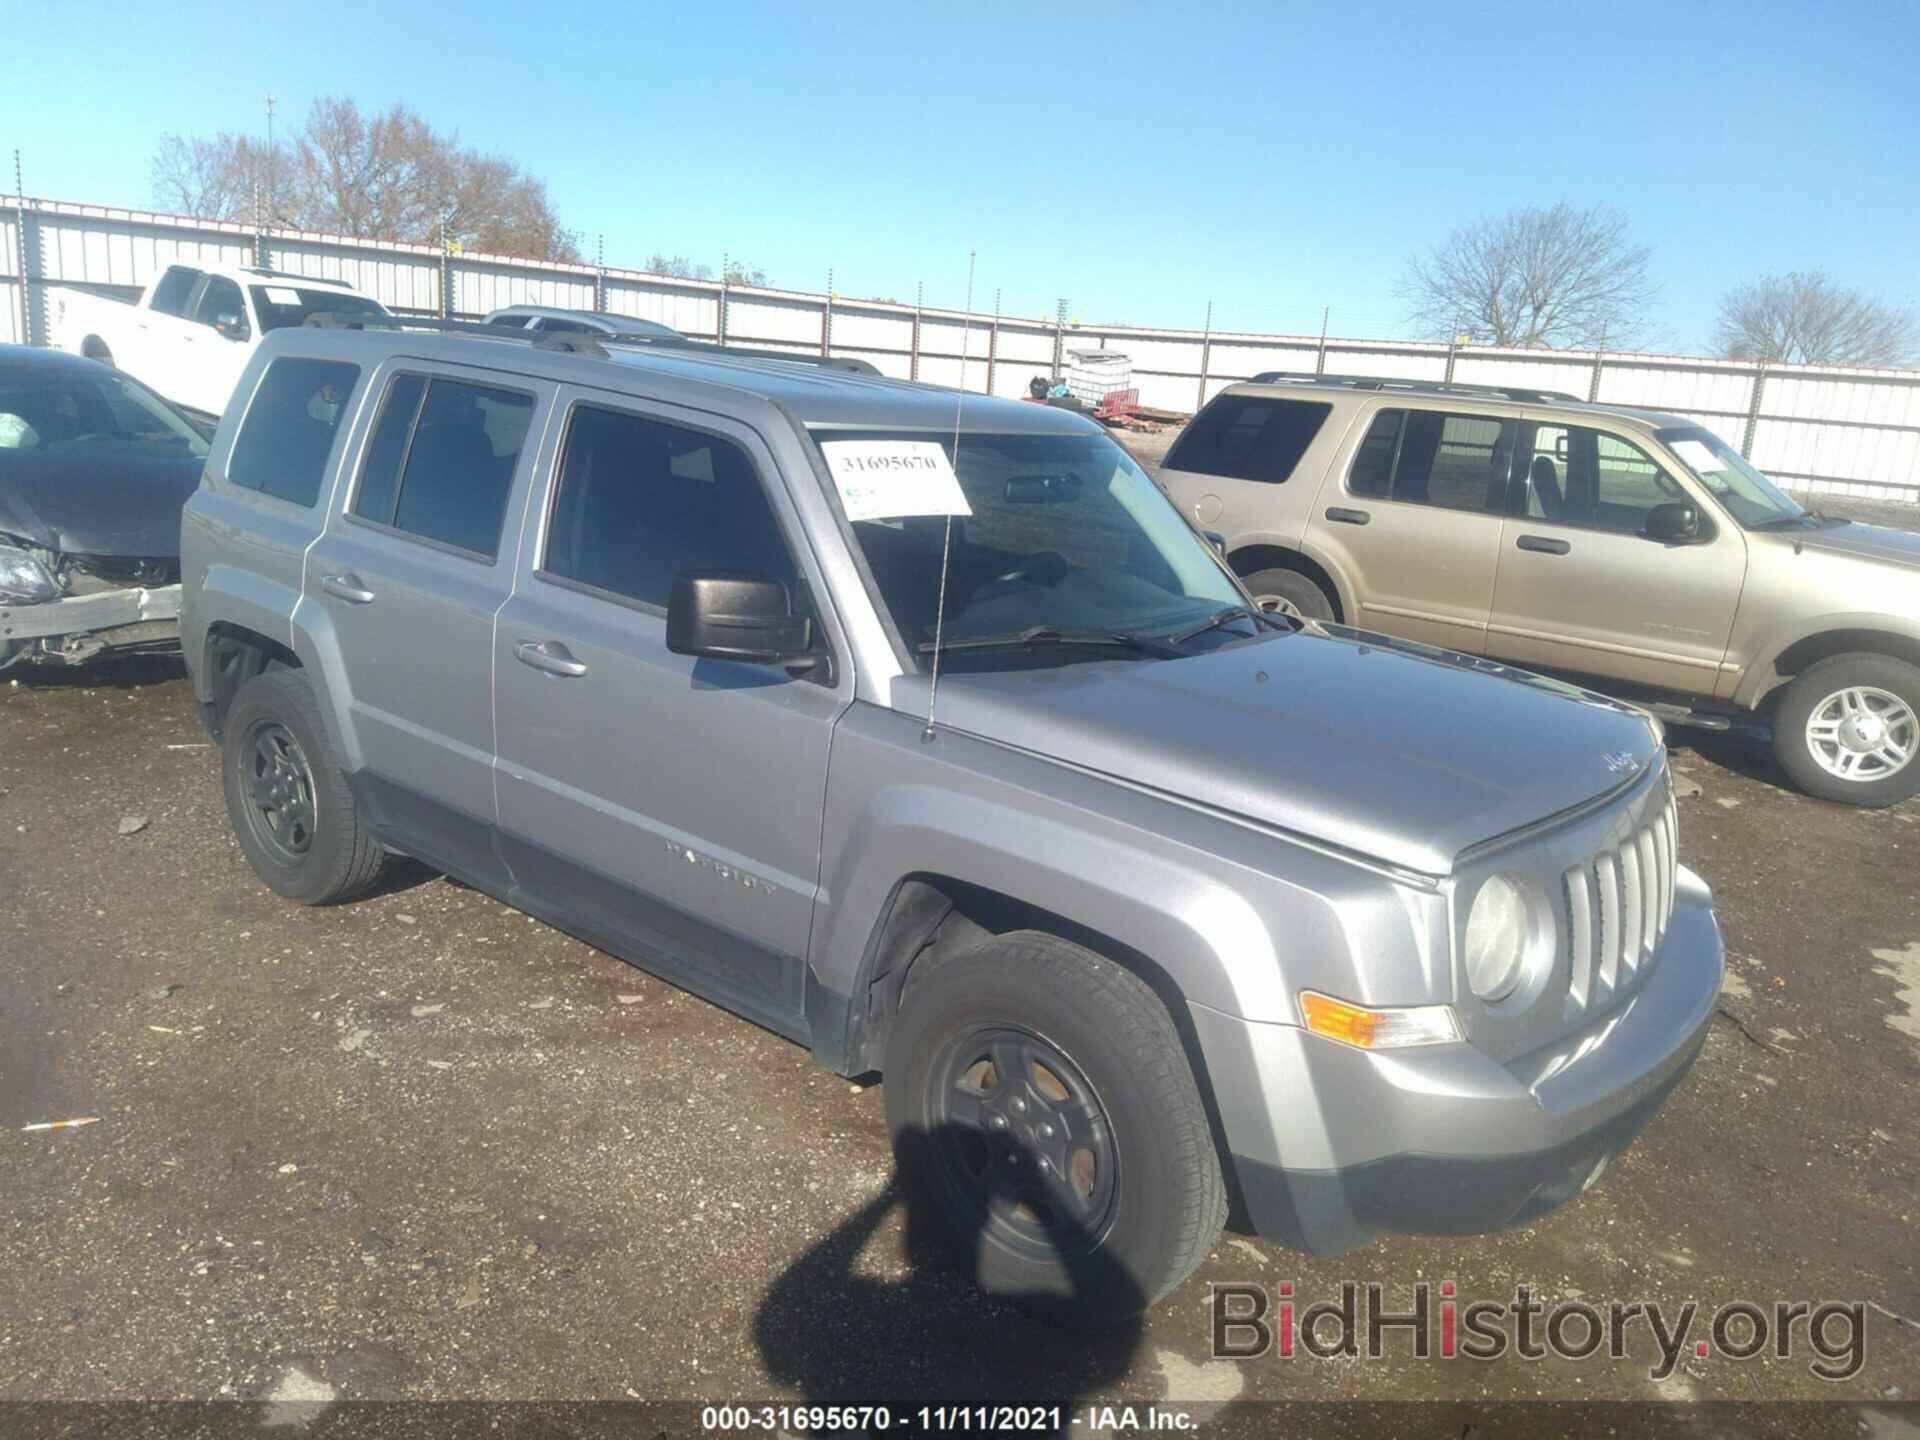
(77,616)
(1332,1145)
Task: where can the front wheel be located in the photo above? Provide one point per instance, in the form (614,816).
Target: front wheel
(1044,1115)
(1848,729)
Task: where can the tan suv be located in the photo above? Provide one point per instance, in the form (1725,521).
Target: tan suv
(1633,549)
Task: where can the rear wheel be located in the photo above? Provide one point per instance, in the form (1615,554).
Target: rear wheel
(287,797)
(1044,1114)
(1288,592)
(1848,729)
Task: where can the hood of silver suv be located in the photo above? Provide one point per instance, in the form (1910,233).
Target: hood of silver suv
(1395,751)
(1866,542)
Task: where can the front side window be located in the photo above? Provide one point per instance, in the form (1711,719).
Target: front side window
(99,416)
(284,442)
(1246,438)
(638,501)
(220,304)
(441,460)
(175,290)
(1589,478)
(1065,534)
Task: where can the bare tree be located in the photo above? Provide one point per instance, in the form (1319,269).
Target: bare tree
(739,272)
(1534,278)
(1803,318)
(220,177)
(385,176)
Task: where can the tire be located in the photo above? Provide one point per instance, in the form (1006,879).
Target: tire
(1112,1073)
(306,842)
(1828,719)
(1291,593)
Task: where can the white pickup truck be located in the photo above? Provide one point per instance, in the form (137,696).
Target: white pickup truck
(193,329)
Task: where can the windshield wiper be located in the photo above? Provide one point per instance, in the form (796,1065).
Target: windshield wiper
(1222,617)
(1780,522)
(1048,635)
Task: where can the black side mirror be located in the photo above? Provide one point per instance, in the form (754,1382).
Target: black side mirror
(1674,523)
(1217,540)
(736,616)
(234,327)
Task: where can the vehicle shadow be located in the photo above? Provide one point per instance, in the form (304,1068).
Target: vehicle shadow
(841,1333)
(138,671)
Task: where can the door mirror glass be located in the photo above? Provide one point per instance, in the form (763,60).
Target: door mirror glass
(1673,523)
(732,615)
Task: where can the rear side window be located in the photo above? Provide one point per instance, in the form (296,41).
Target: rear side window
(284,442)
(441,461)
(1249,439)
(170,296)
(1452,462)
(638,501)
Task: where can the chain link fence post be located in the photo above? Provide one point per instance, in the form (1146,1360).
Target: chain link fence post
(993,342)
(1206,360)
(1753,411)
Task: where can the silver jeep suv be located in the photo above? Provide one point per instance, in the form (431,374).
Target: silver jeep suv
(1629,549)
(921,729)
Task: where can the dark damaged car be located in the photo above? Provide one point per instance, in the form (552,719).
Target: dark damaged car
(94,470)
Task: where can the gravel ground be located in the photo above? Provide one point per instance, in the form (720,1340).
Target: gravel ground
(422,1146)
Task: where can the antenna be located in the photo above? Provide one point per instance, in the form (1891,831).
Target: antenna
(946,541)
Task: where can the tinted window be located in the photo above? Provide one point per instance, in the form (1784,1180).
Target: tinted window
(285,306)
(454,450)
(282,446)
(387,451)
(563,327)
(512,322)
(1585,477)
(1455,462)
(170,296)
(1248,439)
(220,299)
(638,501)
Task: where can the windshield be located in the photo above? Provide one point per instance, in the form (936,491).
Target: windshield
(281,306)
(1065,534)
(1748,496)
(71,412)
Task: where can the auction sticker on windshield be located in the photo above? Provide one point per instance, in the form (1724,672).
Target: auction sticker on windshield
(892,479)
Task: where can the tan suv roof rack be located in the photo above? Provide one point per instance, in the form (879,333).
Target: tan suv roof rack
(1419,387)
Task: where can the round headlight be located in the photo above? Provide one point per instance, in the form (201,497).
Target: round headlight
(1499,928)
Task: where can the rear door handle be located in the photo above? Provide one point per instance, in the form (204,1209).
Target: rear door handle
(1544,544)
(1347,517)
(347,588)
(550,656)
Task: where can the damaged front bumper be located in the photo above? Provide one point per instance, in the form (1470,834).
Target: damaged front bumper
(75,628)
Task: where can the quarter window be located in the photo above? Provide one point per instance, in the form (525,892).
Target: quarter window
(284,442)
(441,461)
(1452,462)
(1249,439)
(638,501)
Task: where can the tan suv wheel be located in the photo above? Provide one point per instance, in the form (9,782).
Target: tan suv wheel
(1289,593)
(1848,729)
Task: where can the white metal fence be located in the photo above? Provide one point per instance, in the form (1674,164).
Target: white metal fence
(1831,430)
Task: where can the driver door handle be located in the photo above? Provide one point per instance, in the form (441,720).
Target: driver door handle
(1543,544)
(348,588)
(1347,517)
(550,656)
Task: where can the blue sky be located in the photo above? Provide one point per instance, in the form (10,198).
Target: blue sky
(1138,161)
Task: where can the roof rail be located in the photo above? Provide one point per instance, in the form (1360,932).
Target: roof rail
(578,343)
(1425,387)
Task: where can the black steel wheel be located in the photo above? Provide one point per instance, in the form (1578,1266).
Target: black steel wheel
(1047,1124)
(279,781)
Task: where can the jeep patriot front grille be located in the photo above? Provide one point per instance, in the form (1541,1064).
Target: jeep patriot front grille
(1618,905)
